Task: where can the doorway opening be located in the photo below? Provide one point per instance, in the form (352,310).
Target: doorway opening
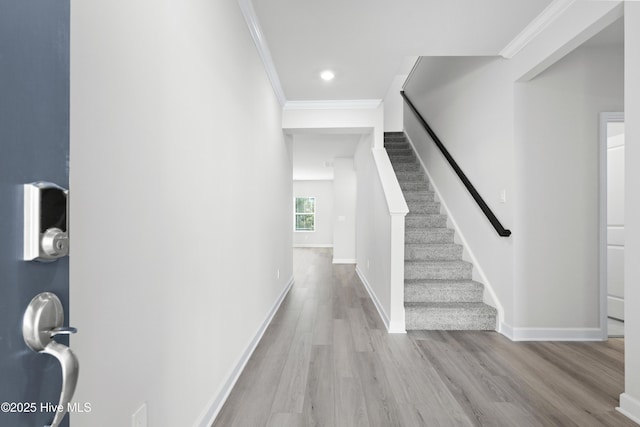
(612,153)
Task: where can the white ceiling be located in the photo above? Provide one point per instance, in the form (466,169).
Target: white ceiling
(313,154)
(365,41)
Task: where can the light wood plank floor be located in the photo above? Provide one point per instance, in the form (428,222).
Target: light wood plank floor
(326,360)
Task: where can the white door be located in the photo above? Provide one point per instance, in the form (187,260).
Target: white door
(615,220)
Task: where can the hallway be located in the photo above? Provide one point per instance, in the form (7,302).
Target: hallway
(327,360)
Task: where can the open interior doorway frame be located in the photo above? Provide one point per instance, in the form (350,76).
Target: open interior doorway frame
(605,118)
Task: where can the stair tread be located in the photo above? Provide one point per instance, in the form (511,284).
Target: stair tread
(415,245)
(418,194)
(443,283)
(439,263)
(421,204)
(415,206)
(426,230)
(428,192)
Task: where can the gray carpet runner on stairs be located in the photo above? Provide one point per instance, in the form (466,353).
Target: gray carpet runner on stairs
(439,292)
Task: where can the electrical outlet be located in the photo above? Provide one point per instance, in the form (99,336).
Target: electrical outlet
(503,196)
(139,418)
(368,264)
(277,273)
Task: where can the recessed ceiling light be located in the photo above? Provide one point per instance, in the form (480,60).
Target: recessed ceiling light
(327,75)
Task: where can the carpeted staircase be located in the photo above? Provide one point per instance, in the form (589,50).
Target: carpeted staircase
(439,293)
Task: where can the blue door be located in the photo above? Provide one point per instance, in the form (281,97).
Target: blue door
(34,146)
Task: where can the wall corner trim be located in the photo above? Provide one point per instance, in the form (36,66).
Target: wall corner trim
(215,404)
(535,27)
(260,41)
(629,407)
(340,104)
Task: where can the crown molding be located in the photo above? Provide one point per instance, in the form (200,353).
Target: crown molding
(260,41)
(343,104)
(535,27)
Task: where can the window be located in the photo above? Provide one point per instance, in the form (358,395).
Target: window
(305,214)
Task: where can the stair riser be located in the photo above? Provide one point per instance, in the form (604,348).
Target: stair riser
(450,294)
(391,139)
(402,159)
(436,221)
(435,252)
(434,235)
(451,320)
(415,186)
(411,176)
(394,146)
(404,167)
(436,273)
(400,151)
(426,196)
(423,208)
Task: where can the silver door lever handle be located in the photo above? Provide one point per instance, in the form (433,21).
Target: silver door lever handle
(43,320)
(64,330)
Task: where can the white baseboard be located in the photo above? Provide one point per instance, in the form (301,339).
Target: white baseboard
(312,245)
(550,334)
(374,298)
(215,405)
(344,261)
(629,407)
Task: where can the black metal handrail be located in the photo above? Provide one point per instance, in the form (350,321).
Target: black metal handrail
(474,193)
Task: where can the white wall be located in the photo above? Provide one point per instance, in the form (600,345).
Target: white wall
(181,205)
(393,105)
(469,104)
(324,194)
(339,116)
(556,245)
(313,153)
(544,157)
(630,400)
(344,217)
